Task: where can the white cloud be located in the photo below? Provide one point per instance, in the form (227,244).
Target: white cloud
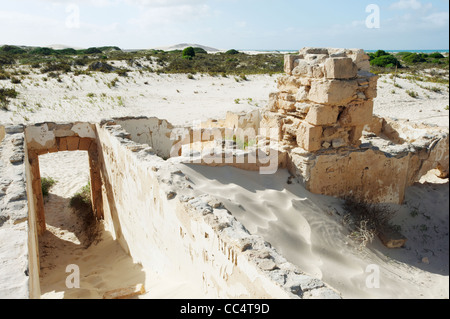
(171,15)
(407,4)
(439,19)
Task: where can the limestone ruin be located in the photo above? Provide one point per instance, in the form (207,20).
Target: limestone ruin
(319,125)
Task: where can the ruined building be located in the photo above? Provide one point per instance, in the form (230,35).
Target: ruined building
(319,125)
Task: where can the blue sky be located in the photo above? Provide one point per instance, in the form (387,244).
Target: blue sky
(225,24)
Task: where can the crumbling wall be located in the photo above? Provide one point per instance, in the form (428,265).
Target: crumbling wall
(150,207)
(19,265)
(323,106)
(151,131)
(51,137)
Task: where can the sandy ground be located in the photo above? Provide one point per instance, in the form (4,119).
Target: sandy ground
(306,228)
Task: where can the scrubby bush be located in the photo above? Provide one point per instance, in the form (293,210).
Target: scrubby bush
(366,221)
(5,95)
(46,184)
(93,51)
(232,52)
(60,66)
(42,51)
(101,67)
(385,61)
(6,60)
(415,58)
(82,199)
(436,55)
(68,51)
(4,75)
(188,53)
(90,232)
(12,49)
(200,51)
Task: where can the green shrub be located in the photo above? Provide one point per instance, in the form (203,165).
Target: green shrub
(11,93)
(68,51)
(82,198)
(5,95)
(12,49)
(122,72)
(414,58)
(403,54)
(436,55)
(101,67)
(6,60)
(385,61)
(200,51)
(57,66)
(188,53)
(412,94)
(232,52)
(93,51)
(46,184)
(4,75)
(42,51)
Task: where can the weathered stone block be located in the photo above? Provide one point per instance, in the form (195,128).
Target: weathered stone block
(273,101)
(302,109)
(319,114)
(302,94)
(289,61)
(335,92)
(302,69)
(61,144)
(355,135)
(287,97)
(369,79)
(391,238)
(72,143)
(314,51)
(340,68)
(318,71)
(272,121)
(286,105)
(309,137)
(289,84)
(357,114)
(85,143)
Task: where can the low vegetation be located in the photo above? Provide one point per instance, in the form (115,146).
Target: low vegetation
(46,184)
(82,199)
(81,203)
(5,96)
(423,67)
(366,221)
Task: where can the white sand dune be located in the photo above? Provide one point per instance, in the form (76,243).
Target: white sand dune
(307,229)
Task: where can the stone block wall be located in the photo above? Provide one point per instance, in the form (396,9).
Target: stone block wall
(19,268)
(325,98)
(323,109)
